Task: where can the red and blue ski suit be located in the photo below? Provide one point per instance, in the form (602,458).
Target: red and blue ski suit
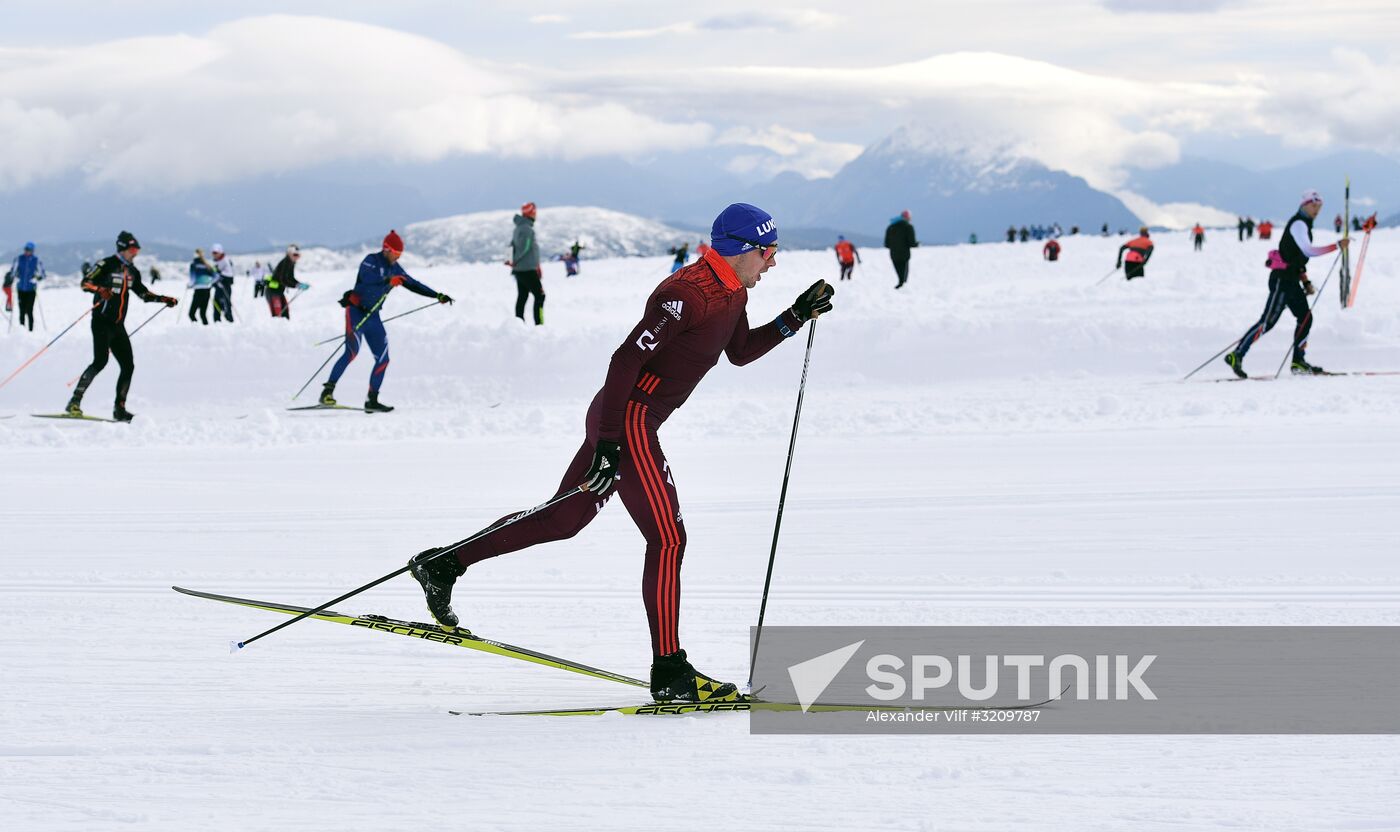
(376,277)
(691,318)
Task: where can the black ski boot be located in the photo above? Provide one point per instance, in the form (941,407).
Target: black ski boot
(1236,364)
(75,407)
(121,414)
(1301,367)
(437,576)
(372,404)
(328,394)
(674,679)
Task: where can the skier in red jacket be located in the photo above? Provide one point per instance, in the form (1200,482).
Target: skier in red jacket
(690,319)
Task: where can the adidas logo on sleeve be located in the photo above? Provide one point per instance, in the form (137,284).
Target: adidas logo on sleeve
(674,307)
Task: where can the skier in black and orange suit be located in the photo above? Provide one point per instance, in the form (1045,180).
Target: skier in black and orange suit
(112,281)
(1134,254)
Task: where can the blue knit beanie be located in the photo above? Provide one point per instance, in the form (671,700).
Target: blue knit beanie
(741,226)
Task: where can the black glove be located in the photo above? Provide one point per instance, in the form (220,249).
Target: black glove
(1308,287)
(167,300)
(813,302)
(601,474)
(441,298)
(345,299)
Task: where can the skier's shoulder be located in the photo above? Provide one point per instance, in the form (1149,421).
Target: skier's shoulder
(693,289)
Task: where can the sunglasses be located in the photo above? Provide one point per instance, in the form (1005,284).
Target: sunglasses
(766,250)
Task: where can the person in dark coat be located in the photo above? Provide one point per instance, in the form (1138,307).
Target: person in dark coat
(899,239)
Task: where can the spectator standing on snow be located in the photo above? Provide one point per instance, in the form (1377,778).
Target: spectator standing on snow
(264,272)
(1051,251)
(1266,230)
(846,256)
(223,287)
(202,277)
(1198,236)
(899,239)
(524,264)
(1011,234)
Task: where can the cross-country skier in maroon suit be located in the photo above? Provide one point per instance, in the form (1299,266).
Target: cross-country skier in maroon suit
(692,317)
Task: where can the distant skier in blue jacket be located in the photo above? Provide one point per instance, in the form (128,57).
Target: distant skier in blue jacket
(379,273)
(27,271)
(202,278)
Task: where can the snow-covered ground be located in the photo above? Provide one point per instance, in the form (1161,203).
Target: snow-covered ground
(1000,442)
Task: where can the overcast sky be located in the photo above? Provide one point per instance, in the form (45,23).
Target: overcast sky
(178,94)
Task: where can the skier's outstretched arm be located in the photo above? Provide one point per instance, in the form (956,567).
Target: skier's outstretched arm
(748,345)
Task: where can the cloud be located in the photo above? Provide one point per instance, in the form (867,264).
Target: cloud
(279,93)
(1166,6)
(549,18)
(1353,102)
(1094,126)
(633,34)
(772,20)
(795,151)
(1175,215)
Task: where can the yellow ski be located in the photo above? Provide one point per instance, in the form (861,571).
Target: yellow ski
(458,637)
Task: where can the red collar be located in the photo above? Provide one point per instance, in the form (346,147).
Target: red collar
(723,270)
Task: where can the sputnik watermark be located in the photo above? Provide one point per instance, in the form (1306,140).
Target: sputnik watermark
(1079,680)
(935,673)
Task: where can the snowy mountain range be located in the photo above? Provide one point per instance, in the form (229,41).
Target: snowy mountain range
(1274,192)
(954,185)
(486,235)
(950,191)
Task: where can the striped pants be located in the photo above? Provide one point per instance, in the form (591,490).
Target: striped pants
(648,491)
(1285,291)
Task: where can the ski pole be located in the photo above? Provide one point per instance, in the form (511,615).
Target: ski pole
(39,302)
(1233,344)
(499,524)
(1308,317)
(782,499)
(163,307)
(49,344)
(386,320)
(1107,276)
(367,316)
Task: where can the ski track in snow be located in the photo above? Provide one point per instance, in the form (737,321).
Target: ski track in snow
(998,443)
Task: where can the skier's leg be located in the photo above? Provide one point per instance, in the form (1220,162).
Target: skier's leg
(559,522)
(121,350)
(352,346)
(101,338)
(1273,308)
(649,492)
(1297,302)
(378,341)
(537,289)
(522,291)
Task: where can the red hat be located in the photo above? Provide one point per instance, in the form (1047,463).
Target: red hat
(528,210)
(393,242)
(905,214)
